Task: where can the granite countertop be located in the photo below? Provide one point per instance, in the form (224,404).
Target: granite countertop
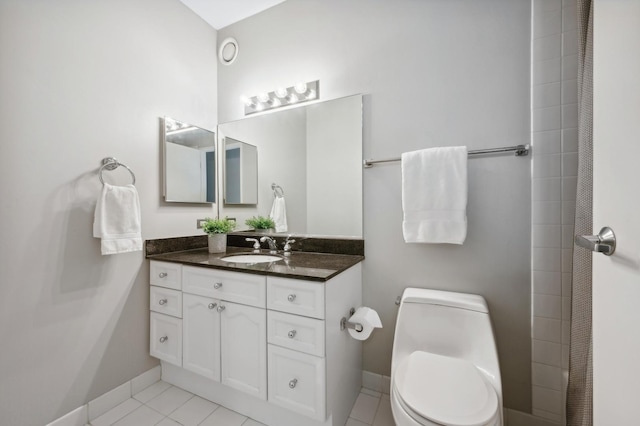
(299,265)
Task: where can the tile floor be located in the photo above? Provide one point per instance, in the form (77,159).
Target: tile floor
(162,404)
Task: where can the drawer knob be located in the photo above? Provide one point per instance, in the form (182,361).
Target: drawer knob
(162,274)
(291,297)
(217,285)
(293,383)
(212,305)
(162,302)
(221,308)
(163,339)
(291,334)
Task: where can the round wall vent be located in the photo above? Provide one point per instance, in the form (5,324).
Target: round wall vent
(228,51)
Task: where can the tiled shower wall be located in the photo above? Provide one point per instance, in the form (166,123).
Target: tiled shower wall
(555,164)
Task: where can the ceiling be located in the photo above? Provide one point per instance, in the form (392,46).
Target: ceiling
(220,13)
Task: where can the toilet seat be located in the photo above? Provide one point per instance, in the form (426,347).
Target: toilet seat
(443,390)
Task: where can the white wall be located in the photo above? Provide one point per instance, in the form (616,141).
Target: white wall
(434,73)
(80,81)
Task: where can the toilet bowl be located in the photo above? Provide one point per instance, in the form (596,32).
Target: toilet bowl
(444,368)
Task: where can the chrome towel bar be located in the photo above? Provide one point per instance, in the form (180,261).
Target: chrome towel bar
(520,150)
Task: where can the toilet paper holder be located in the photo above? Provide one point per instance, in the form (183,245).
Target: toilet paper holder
(353,325)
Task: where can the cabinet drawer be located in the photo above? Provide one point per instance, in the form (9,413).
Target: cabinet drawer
(166,274)
(166,301)
(246,289)
(166,338)
(296,296)
(297,382)
(295,332)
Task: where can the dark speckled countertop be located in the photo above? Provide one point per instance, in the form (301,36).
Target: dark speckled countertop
(299,265)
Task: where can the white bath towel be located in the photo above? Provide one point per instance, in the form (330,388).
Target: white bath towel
(117,219)
(279,214)
(434,195)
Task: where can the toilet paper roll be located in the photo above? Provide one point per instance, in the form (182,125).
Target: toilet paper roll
(368,318)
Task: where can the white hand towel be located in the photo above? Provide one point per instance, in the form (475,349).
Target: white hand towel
(117,219)
(279,214)
(434,195)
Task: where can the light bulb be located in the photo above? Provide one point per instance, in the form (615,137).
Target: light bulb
(263,97)
(246,101)
(311,94)
(275,102)
(300,87)
(259,107)
(293,98)
(281,92)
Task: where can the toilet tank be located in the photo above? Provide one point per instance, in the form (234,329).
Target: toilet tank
(446,323)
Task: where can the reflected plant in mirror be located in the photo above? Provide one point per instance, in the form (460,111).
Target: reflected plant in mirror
(314,154)
(189,162)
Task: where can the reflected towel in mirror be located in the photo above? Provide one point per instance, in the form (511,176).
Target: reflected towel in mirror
(279,214)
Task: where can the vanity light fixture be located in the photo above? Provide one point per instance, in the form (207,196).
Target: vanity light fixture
(281,97)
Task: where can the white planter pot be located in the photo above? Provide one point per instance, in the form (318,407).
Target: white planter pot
(217,243)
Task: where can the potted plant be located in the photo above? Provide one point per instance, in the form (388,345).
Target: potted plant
(217,230)
(261,223)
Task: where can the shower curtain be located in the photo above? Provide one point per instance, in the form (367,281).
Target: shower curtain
(580,389)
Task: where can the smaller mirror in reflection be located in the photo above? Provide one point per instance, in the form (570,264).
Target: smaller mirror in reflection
(240,172)
(189,163)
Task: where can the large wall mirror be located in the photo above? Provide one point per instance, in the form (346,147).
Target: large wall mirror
(313,154)
(189,163)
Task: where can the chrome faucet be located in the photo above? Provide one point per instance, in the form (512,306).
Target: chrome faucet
(256,244)
(272,244)
(287,246)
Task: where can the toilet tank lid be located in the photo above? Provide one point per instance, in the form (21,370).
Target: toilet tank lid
(472,302)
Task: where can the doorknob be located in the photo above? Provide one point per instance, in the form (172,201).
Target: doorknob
(604,242)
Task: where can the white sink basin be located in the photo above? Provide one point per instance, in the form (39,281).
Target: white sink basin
(251,258)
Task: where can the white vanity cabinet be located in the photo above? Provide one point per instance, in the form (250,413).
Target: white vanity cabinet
(266,346)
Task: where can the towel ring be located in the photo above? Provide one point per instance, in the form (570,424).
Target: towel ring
(111,163)
(277,190)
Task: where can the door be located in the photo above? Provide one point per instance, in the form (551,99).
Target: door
(616,279)
(201,336)
(244,348)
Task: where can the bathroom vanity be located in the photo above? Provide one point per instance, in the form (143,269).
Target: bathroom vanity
(262,339)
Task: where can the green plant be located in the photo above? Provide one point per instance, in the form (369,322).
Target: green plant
(218,226)
(260,222)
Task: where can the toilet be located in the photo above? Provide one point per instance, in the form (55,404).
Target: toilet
(444,368)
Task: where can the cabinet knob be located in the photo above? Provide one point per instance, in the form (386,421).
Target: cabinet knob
(291,297)
(221,308)
(217,285)
(291,334)
(212,305)
(293,383)
(163,339)
(162,274)
(162,302)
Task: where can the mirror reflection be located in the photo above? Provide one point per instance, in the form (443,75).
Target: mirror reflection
(189,163)
(240,172)
(314,155)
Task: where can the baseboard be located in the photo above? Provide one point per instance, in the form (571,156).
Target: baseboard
(376,382)
(100,405)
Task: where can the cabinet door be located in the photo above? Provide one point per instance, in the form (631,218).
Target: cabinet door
(201,336)
(244,348)
(166,338)
(297,382)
